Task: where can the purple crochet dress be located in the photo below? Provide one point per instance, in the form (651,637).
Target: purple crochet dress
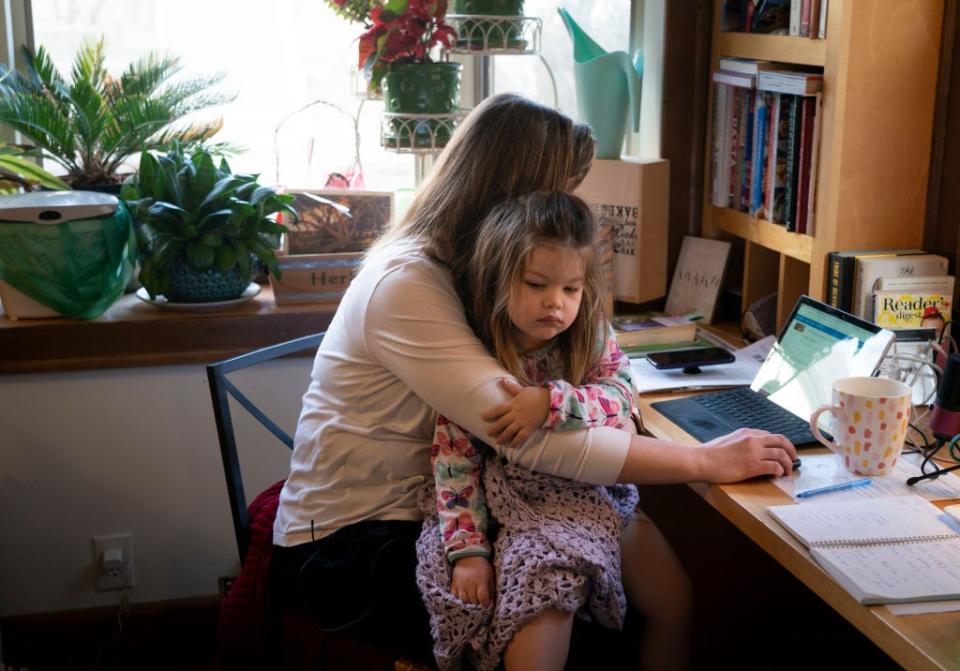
(558,547)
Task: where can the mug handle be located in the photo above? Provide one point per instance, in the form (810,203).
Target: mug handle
(815,430)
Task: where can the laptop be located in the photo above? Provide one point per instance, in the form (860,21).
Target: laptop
(817,345)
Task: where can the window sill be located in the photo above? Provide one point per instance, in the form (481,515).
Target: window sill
(134,334)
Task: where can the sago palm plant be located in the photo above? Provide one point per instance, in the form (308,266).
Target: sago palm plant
(94,123)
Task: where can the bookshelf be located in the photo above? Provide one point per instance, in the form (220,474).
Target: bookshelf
(880,76)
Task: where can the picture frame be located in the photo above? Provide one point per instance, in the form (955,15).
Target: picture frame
(336,221)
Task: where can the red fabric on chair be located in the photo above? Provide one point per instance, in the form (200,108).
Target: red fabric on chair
(243,627)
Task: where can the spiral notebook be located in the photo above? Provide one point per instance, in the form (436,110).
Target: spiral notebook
(884,550)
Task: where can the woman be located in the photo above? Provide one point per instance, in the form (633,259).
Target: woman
(400,350)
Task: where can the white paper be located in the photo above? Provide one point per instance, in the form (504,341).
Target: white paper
(923,607)
(821,470)
(741,372)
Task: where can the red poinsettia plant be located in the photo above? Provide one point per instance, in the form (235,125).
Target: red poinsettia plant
(403,31)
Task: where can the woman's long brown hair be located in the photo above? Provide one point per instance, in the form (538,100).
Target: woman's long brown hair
(507,146)
(506,240)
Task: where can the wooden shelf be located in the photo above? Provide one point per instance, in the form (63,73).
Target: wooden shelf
(802,50)
(874,145)
(132,334)
(763,233)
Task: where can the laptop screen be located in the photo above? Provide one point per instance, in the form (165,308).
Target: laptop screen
(818,344)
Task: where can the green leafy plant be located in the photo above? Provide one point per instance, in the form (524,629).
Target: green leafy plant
(18,171)
(357,11)
(91,125)
(197,212)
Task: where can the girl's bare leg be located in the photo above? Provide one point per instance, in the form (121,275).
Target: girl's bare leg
(657,586)
(541,645)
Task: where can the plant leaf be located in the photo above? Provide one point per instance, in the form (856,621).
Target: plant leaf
(31,172)
(226,259)
(200,256)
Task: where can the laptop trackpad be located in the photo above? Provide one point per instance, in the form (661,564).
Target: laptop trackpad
(693,418)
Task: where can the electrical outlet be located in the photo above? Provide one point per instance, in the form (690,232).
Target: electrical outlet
(113,561)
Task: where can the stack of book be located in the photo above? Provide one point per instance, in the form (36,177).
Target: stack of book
(640,333)
(892,287)
(799,18)
(766,128)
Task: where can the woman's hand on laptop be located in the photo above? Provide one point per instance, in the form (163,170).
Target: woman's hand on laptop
(748,453)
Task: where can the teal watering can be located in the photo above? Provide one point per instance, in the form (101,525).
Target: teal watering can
(608,86)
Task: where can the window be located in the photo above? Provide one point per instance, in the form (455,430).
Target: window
(284,56)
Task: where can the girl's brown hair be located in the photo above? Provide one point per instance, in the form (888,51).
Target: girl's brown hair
(506,147)
(506,240)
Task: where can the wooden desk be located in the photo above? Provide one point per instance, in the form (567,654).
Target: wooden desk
(929,641)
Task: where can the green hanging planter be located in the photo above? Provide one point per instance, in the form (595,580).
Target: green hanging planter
(478,34)
(420,88)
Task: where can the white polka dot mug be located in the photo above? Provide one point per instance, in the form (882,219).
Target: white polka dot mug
(870,416)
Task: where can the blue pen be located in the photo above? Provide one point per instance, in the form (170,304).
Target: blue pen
(839,487)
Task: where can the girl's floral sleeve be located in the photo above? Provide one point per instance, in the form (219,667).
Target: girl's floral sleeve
(460,506)
(606,400)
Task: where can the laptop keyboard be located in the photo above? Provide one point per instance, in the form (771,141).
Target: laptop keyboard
(745,407)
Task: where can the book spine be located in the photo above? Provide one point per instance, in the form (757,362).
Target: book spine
(756,168)
(770,157)
(805,18)
(757,15)
(840,288)
(795,17)
(833,286)
(781,159)
(939,284)
(746,146)
(822,30)
(746,15)
(801,86)
(770,168)
(848,266)
(736,118)
(805,121)
(790,179)
(726,140)
(811,217)
(734,79)
(814,19)
(719,106)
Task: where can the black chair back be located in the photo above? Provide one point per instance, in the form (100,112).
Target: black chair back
(221,389)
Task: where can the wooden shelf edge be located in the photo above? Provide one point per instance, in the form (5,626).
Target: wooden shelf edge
(781,48)
(132,334)
(771,236)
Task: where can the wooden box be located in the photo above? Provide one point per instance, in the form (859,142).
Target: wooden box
(631,194)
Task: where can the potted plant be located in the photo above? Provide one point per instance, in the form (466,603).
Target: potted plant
(203,225)
(489,34)
(401,35)
(92,124)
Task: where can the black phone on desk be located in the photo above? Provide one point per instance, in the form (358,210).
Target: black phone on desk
(690,359)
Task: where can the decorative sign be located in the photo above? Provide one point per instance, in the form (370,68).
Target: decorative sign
(314,278)
(697,277)
(333,221)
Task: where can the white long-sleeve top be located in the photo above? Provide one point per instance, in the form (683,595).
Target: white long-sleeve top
(397,352)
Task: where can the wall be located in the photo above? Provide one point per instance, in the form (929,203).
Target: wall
(88,453)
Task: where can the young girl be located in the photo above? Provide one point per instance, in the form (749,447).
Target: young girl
(535,292)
